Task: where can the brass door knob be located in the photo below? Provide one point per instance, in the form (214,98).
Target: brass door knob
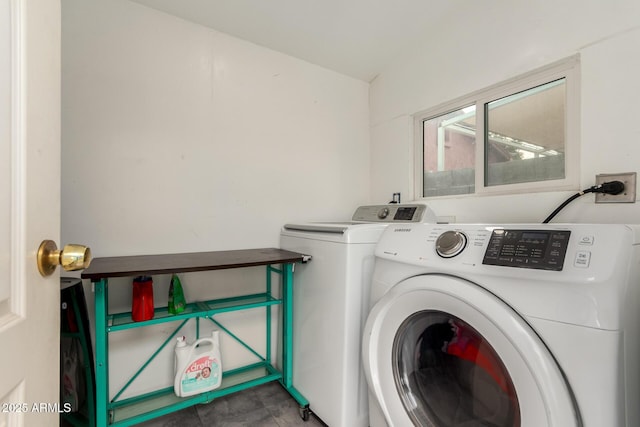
(71,257)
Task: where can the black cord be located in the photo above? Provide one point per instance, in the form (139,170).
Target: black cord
(566,202)
(612,187)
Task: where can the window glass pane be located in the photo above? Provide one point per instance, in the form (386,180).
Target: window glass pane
(447,374)
(525,136)
(449,153)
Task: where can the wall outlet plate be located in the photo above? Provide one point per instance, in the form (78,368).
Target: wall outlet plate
(629,193)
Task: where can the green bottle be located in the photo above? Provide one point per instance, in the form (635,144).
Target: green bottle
(176,296)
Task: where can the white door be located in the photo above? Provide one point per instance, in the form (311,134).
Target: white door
(440,350)
(29,210)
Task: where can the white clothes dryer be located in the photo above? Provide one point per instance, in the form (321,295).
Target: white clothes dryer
(505,325)
(330,304)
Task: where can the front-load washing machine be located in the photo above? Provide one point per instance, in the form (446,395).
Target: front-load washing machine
(505,325)
(330,304)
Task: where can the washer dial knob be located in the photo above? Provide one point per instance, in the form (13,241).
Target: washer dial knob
(383,213)
(450,243)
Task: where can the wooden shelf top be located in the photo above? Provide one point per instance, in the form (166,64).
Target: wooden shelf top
(147,265)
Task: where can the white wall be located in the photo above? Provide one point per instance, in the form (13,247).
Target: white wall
(178,138)
(483,45)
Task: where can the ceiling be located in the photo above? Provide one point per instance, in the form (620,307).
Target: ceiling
(353,37)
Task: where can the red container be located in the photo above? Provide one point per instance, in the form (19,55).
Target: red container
(142,302)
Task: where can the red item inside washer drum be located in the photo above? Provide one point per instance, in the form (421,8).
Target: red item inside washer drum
(468,346)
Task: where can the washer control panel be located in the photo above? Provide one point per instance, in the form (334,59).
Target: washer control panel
(537,249)
(394,213)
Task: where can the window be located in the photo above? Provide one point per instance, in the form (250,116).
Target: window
(449,142)
(514,137)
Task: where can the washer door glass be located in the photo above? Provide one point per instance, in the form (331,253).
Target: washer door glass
(447,374)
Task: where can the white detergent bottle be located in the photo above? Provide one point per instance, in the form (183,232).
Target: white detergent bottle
(180,359)
(198,366)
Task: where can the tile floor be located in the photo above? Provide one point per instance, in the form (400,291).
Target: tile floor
(268,405)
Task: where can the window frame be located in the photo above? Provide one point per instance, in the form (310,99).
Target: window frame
(568,69)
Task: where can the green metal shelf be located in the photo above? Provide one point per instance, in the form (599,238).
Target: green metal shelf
(122,321)
(133,410)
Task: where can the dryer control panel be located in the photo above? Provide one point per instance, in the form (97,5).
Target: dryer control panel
(394,213)
(537,249)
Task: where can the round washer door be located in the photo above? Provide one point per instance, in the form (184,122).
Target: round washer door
(442,351)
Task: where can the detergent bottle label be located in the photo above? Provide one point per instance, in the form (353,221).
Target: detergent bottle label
(201,374)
